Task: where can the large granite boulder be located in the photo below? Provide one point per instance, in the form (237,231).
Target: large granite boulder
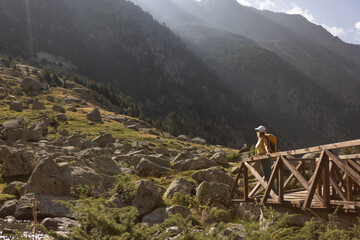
(219,158)
(213,175)
(148,197)
(147,168)
(47,206)
(16,165)
(94,115)
(179,185)
(16,106)
(212,192)
(31,86)
(104,139)
(193,164)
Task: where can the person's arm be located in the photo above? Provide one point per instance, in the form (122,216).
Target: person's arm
(266,145)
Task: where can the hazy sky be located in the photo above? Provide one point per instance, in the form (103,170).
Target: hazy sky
(339,17)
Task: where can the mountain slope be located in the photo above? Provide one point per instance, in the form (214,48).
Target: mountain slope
(114,41)
(286,66)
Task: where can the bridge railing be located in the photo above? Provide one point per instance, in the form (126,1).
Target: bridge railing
(335,179)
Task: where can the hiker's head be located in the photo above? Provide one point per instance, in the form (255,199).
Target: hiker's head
(260,131)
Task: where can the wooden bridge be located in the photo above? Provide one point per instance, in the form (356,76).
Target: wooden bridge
(325,182)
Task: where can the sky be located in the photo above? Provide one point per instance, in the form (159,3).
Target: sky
(340,17)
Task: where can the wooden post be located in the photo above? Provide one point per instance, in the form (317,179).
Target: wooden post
(281,188)
(348,185)
(326,182)
(234,187)
(246,183)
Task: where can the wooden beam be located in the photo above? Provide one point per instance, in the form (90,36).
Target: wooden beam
(256,188)
(354,165)
(292,175)
(344,167)
(281,188)
(246,183)
(271,181)
(332,146)
(341,179)
(326,183)
(317,175)
(236,182)
(337,188)
(260,179)
(300,178)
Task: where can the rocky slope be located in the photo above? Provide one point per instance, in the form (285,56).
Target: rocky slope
(55,145)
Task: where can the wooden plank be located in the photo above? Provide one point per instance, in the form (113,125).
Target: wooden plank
(343,166)
(350,156)
(311,189)
(236,182)
(246,183)
(260,179)
(271,181)
(292,175)
(348,185)
(332,146)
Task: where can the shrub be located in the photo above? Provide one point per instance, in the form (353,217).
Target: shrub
(125,187)
(233,157)
(182,199)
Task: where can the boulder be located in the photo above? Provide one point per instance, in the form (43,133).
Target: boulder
(16,165)
(5,152)
(72,100)
(104,139)
(163,151)
(61,117)
(213,192)
(8,208)
(193,164)
(179,185)
(72,109)
(15,134)
(63,132)
(116,201)
(59,223)
(213,175)
(178,209)
(50,98)
(49,178)
(58,108)
(31,86)
(14,123)
(147,168)
(219,158)
(198,140)
(16,106)
(94,115)
(155,217)
(38,106)
(14,188)
(182,138)
(182,156)
(148,197)
(311,164)
(106,166)
(47,206)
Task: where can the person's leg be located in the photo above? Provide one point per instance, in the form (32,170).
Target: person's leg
(266,168)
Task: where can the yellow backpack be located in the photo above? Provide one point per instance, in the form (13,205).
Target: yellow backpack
(272,142)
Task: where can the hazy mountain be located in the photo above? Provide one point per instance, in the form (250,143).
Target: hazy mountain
(299,77)
(114,41)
